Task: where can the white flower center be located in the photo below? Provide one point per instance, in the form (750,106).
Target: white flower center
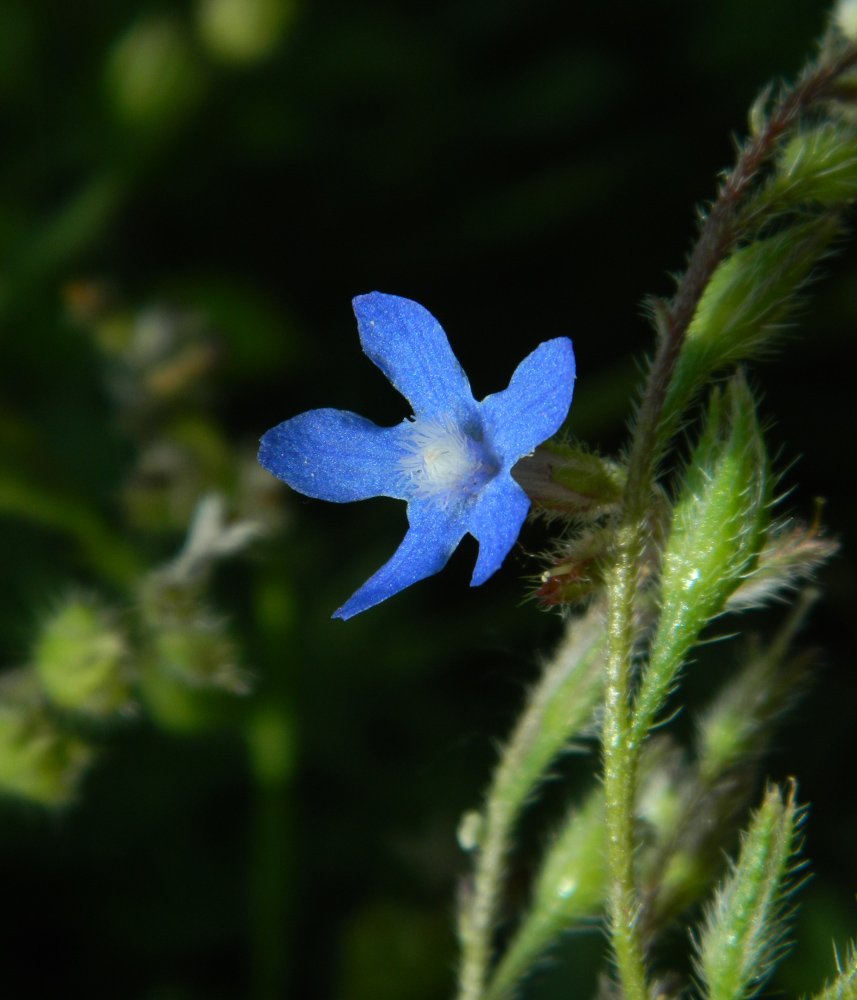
(442,462)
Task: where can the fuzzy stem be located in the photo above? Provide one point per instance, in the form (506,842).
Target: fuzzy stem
(620,763)
(722,229)
(559,708)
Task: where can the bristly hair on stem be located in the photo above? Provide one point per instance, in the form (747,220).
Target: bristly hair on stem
(721,232)
(776,212)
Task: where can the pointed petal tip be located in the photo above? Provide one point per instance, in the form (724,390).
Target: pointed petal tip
(496,523)
(410,347)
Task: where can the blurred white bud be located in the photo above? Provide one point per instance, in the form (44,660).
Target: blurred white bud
(845,18)
(210,537)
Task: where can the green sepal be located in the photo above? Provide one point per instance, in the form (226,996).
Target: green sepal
(718,528)
(744,932)
(743,307)
(576,571)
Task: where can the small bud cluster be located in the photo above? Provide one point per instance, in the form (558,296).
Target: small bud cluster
(92,662)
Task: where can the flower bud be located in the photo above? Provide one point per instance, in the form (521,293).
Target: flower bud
(743,933)
(561,479)
(38,762)
(816,165)
(80,658)
(577,572)
(570,890)
(743,307)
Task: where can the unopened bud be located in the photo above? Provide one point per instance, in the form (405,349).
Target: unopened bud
(80,659)
(560,479)
(577,572)
(38,762)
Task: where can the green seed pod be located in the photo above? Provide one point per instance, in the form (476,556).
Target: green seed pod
(718,529)
(744,931)
(80,658)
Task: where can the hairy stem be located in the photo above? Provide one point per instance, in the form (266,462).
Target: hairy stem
(721,231)
(559,708)
(620,762)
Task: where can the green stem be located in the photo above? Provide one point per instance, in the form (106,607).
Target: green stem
(558,709)
(722,229)
(620,765)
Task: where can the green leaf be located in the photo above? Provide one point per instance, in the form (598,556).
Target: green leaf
(718,528)
(816,165)
(737,726)
(743,308)
(744,932)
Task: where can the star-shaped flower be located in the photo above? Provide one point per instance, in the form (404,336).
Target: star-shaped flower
(451,461)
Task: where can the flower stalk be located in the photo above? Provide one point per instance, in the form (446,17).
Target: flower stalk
(721,232)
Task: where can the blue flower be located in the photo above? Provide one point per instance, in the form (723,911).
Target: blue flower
(451,461)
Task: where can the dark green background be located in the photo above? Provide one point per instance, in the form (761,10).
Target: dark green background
(523,168)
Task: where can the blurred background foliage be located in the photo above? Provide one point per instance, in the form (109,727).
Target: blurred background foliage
(246,798)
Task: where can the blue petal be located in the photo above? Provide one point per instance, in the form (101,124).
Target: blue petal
(432,537)
(495,522)
(335,455)
(534,406)
(409,346)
